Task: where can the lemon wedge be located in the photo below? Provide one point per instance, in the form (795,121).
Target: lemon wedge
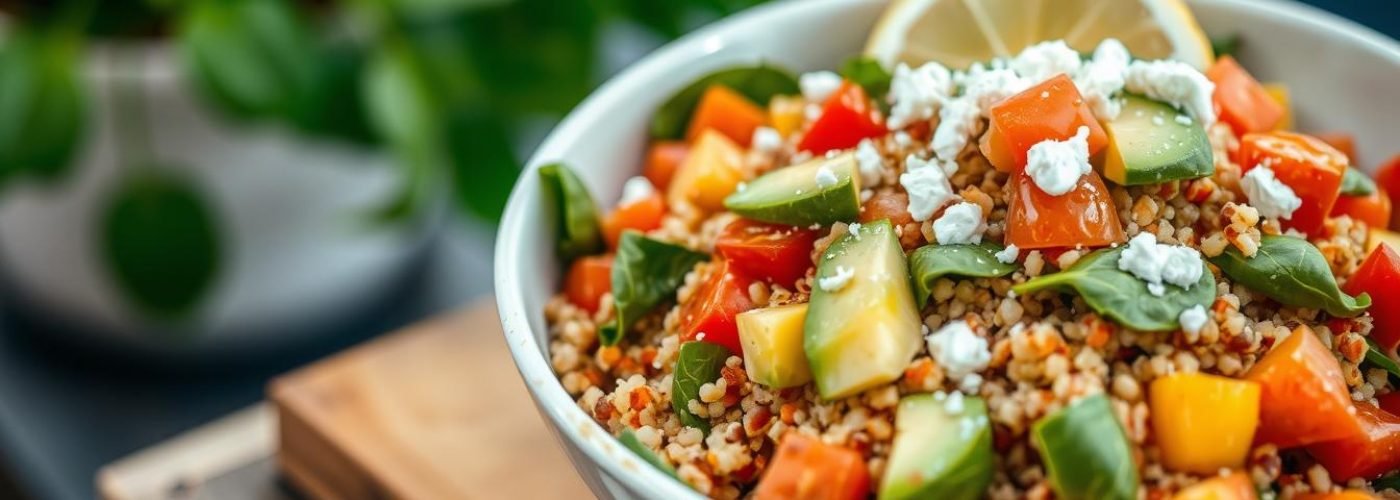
(958,33)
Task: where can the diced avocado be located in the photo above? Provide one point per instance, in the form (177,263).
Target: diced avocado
(820,191)
(1086,453)
(1149,144)
(772,340)
(864,332)
(942,449)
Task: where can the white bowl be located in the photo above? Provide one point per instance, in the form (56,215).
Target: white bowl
(1343,77)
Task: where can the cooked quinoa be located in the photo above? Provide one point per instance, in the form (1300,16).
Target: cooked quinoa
(1046,349)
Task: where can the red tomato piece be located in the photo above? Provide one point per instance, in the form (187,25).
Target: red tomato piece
(1242,101)
(1373,209)
(1304,399)
(774,252)
(892,205)
(1379,276)
(1054,109)
(1343,141)
(1309,166)
(1084,217)
(806,468)
(1343,495)
(847,118)
(589,278)
(662,160)
(1368,454)
(727,112)
(1390,402)
(642,215)
(712,307)
(1388,177)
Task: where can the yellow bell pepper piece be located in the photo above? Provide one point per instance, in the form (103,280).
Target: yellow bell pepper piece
(1235,486)
(772,340)
(1280,93)
(1203,423)
(709,173)
(1378,236)
(786,114)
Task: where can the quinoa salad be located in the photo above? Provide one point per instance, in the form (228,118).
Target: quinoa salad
(1054,274)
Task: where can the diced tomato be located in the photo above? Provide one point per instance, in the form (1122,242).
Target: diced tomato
(643,215)
(663,158)
(1304,398)
(806,468)
(1379,276)
(1307,165)
(892,205)
(1054,109)
(1388,177)
(1343,495)
(1343,141)
(1235,486)
(1242,101)
(1390,402)
(847,118)
(729,113)
(774,252)
(713,305)
(1370,453)
(1084,217)
(1373,209)
(589,278)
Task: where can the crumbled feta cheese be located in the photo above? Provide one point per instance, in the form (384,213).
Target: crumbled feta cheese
(766,140)
(836,281)
(825,177)
(812,112)
(903,139)
(1158,264)
(954,404)
(1043,60)
(1183,120)
(1056,166)
(636,189)
(1102,77)
(971,384)
(958,351)
(988,87)
(854,230)
(915,94)
(1176,83)
(866,194)
(869,162)
(1270,196)
(927,186)
(957,121)
(1193,319)
(817,86)
(960,224)
(1008,255)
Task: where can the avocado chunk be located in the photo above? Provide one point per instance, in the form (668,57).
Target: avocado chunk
(862,331)
(942,449)
(1086,453)
(772,340)
(820,191)
(1150,142)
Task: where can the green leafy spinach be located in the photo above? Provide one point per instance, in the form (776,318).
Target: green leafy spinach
(645,273)
(1357,183)
(577,214)
(758,83)
(1291,271)
(869,74)
(931,262)
(697,364)
(1376,356)
(1120,295)
(631,442)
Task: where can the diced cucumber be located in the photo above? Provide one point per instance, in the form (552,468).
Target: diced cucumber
(942,449)
(820,191)
(772,340)
(865,332)
(1149,144)
(1085,452)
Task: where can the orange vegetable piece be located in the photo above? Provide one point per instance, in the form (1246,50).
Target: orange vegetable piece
(1242,101)
(1304,399)
(808,469)
(1309,166)
(1388,178)
(1345,495)
(1054,109)
(709,173)
(1379,276)
(728,112)
(1374,209)
(1343,141)
(589,278)
(786,113)
(1369,454)
(663,158)
(643,215)
(1235,486)
(1203,423)
(1085,216)
(892,205)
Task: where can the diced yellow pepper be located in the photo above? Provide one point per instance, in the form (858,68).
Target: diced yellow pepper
(709,173)
(1235,486)
(1378,236)
(1203,423)
(1280,93)
(772,340)
(786,114)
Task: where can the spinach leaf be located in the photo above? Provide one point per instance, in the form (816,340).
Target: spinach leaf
(645,273)
(1376,356)
(1121,296)
(630,441)
(574,208)
(1085,452)
(1387,483)
(758,83)
(1291,271)
(931,262)
(1226,45)
(869,74)
(697,364)
(1357,183)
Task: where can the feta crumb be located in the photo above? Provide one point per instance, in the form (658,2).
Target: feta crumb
(1008,255)
(971,384)
(766,140)
(865,195)
(927,186)
(812,112)
(915,94)
(1056,166)
(1193,319)
(954,404)
(1268,195)
(960,224)
(1158,120)
(869,162)
(1041,61)
(837,281)
(1158,264)
(741,186)
(1102,77)
(854,230)
(960,352)
(988,87)
(636,189)
(817,86)
(1176,83)
(825,177)
(903,139)
(1184,120)
(957,121)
